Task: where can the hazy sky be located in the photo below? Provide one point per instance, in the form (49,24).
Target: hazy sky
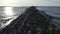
(29,2)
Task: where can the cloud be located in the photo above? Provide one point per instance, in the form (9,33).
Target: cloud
(29,2)
(51,3)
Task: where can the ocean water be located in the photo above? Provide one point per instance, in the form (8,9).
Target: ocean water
(8,13)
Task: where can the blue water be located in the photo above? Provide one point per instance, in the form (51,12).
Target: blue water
(53,11)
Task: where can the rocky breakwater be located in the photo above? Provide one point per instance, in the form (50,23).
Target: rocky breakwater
(30,22)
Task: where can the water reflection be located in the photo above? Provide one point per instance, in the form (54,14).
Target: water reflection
(8,11)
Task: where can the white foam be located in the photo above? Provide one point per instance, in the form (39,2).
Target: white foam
(7,23)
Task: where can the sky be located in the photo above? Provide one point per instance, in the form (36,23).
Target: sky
(29,2)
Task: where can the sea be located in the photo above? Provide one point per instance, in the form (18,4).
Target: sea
(8,14)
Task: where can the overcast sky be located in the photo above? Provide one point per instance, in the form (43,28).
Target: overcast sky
(29,2)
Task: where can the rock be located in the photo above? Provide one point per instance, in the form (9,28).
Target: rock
(28,23)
